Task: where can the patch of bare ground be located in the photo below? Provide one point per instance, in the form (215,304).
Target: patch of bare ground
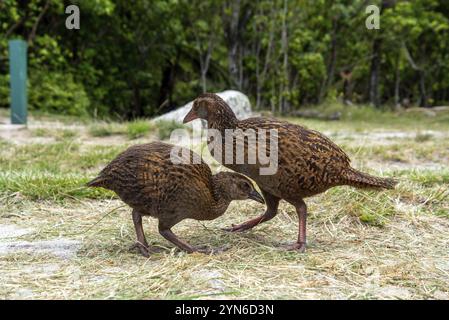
(25,135)
(382,137)
(47,132)
(21,135)
(388,166)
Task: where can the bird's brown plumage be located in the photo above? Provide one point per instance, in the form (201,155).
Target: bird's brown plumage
(309,163)
(146,178)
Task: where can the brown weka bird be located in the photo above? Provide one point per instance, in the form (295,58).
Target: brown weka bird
(147,179)
(309,163)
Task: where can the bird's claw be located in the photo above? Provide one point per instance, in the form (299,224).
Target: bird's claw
(236,228)
(297,246)
(207,250)
(144,250)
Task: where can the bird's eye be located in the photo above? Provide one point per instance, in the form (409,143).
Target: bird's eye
(246,186)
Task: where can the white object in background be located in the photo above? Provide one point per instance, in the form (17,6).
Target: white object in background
(238,102)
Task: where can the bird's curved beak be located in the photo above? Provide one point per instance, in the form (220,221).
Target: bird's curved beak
(254,195)
(190,116)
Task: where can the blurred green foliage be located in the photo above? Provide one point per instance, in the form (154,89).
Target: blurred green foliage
(57,93)
(140,59)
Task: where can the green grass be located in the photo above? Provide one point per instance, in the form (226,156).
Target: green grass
(41,132)
(61,135)
(138,128)
(58,157)
(423,137)
(361,244)
(47,186)
(426,177)
(400,150)
(68,134)
(104,129)
(361,118)
(165,128)
(133,130)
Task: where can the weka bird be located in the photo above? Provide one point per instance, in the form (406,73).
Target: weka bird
(147,179)
(308,162)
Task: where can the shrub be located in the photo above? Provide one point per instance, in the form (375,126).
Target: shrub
(57,93)
(4,91)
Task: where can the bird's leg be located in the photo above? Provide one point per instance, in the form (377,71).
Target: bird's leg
(141,242)
(272,208)
(170,236)
(300,245)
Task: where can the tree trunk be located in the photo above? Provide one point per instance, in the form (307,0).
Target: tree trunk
(421,74)
(167,85)
(231,25)
(285,84)
(205,63)
(137,103)
(374,97)
(261,75)
(347,86)
(332,59)
(397,82)
(234,27)
(422,90)
(32,34)
(374,92)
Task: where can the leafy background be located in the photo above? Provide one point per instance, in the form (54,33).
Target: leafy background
(146,58)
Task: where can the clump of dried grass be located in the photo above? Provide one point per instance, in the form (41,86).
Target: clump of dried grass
(346,258)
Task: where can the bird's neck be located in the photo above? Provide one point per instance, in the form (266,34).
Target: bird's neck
(221,198)
(222,118)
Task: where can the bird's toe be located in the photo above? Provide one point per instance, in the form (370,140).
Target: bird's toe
(297,246)
(236,228)
(208,250)
(144,250)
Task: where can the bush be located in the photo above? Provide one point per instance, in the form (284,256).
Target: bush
(4,91)
(57,93)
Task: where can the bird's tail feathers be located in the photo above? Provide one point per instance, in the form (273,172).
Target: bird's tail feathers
(97,182)
(359,179)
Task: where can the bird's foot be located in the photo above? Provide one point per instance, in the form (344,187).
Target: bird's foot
(237,228)
(208,250)
(145,250)
(297,246)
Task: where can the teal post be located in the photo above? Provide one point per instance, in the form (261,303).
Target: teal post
(18,80)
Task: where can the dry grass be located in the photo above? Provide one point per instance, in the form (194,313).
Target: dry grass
(407,258)
(362,245)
